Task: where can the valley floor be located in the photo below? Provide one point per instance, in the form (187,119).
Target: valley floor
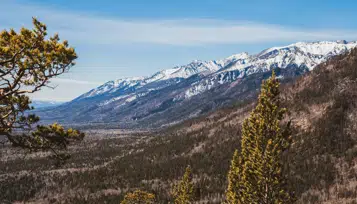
(32,177)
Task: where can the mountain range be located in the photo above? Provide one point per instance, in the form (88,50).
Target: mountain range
(172,95)
(45,104)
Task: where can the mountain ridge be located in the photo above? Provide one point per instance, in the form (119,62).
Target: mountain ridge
(45,104)
(138,100)
(185,71)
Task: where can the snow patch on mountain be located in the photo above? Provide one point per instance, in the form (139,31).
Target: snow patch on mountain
(131,98)
(113,86)
(113,99)
(199,88)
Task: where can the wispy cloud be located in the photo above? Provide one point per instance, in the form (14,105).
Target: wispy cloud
(73,81)
(91,29)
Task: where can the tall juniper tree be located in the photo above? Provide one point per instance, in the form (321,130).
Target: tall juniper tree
(256,174)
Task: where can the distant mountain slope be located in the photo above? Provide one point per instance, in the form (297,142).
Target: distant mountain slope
(45,104)
(172,95)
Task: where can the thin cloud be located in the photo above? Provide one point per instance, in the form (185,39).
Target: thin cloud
(73,81)
(90,29)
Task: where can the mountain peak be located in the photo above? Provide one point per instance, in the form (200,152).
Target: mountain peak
(316,48)
(130,79)
(242,55)
(342,41)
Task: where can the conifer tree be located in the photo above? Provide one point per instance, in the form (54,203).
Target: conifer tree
(183,192)
(29,59)
(259,177)
(139,197)
(234,189)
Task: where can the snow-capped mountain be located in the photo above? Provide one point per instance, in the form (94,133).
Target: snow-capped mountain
(179,72)
(302,55)
(177,89)
(231,68)
(112,86)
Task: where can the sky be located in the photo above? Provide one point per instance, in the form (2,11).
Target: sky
(126,38)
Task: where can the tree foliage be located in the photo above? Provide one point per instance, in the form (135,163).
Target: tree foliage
(234,189)
(139,197)
(256,174)
(28,60)
(183,192)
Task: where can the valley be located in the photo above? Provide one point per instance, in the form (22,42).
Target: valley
(321,164)
(178,102)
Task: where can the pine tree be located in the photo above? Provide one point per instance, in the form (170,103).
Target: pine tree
(258,176)
(139,197)
(29,59)
(234,189)
(183,192)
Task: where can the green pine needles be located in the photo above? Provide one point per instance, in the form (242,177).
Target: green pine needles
(255,175)
(183,192)
(139,197)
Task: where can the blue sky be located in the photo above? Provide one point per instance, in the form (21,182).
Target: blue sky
(124,38)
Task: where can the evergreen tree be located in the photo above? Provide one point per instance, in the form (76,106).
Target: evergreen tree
(259,177)
(29,59)
(183,192)
(234,190)
(139,197)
